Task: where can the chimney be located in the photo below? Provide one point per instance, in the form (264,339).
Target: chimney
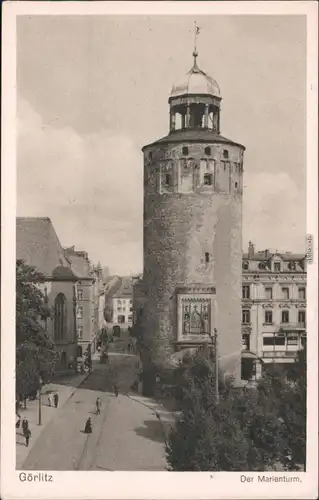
(251,250)
(267,253)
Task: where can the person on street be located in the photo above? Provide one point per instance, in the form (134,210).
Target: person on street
(98,404)
(116,390)
(25,426)
(56,400)
(88,426)
(18,421)
(50,400)
(27,437)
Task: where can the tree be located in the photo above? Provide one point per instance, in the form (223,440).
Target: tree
(250,429)
(206,436)
(35,351)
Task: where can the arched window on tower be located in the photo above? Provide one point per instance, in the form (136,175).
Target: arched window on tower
(178,121)
(60,317)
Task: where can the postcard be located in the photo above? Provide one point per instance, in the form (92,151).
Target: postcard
(159,250)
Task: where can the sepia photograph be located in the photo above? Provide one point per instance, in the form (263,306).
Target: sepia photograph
(162,251)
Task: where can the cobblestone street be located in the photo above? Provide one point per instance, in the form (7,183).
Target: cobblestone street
(127,435)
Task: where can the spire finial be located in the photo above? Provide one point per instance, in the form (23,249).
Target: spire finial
(195,53)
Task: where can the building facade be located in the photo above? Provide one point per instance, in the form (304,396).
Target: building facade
(119,302)
(193,186)
(85,299)
(38,246)
(274,313)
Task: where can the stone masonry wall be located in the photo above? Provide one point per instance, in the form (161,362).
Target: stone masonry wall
(179,228)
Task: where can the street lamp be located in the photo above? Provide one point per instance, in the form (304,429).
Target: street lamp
(40,402)
(214,338)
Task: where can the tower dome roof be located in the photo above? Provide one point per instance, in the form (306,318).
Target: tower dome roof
(196,82)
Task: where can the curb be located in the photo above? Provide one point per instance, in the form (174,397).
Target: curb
(72,392)
(156,414)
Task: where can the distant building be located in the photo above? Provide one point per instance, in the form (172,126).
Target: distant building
(37,245)
(119,302)
(85,299)
(274,317)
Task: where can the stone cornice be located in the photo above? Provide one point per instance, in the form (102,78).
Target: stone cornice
(196,289)
(271,278)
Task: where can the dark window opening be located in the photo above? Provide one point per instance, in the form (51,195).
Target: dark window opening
(60,317)
(208,179)
(302,317)
(226,153)
(207,151)
(167,180)
(292,266)
(302,293)
(185,150)
(246,316)
(246,266)
(285,316)
(206,257)
(273,341)
(268,317)
(277,266)
(246,291)
(236,184)
(150,155)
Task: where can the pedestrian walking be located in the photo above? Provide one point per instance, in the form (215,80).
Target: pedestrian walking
(50,400)
(88,426)
(25,426)
(18,421)
(56,400)
(98,404)
(116,390)
(27,437)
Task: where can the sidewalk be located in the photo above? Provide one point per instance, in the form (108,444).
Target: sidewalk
(165,417)
(31,413)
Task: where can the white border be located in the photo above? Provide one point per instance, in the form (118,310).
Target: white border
(141,485)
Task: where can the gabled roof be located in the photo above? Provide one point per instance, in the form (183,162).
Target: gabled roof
(123,288)
(80,266)
(38,245)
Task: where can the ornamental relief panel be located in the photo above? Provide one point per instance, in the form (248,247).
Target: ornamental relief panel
(195,317)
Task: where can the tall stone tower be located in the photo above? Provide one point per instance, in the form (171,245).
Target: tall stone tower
(193,188)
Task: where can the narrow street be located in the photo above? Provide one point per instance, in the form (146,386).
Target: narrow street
(127,435)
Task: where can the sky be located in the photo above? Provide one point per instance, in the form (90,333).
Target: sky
(93,90)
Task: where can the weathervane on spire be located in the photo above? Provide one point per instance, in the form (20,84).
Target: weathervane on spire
(196,33)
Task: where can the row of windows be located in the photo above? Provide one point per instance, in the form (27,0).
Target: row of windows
(269,317)
(185,151)
(291,266)
(274,340)
(120,302)
(207,180)
(123,308)
(121,319)
(269,293)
